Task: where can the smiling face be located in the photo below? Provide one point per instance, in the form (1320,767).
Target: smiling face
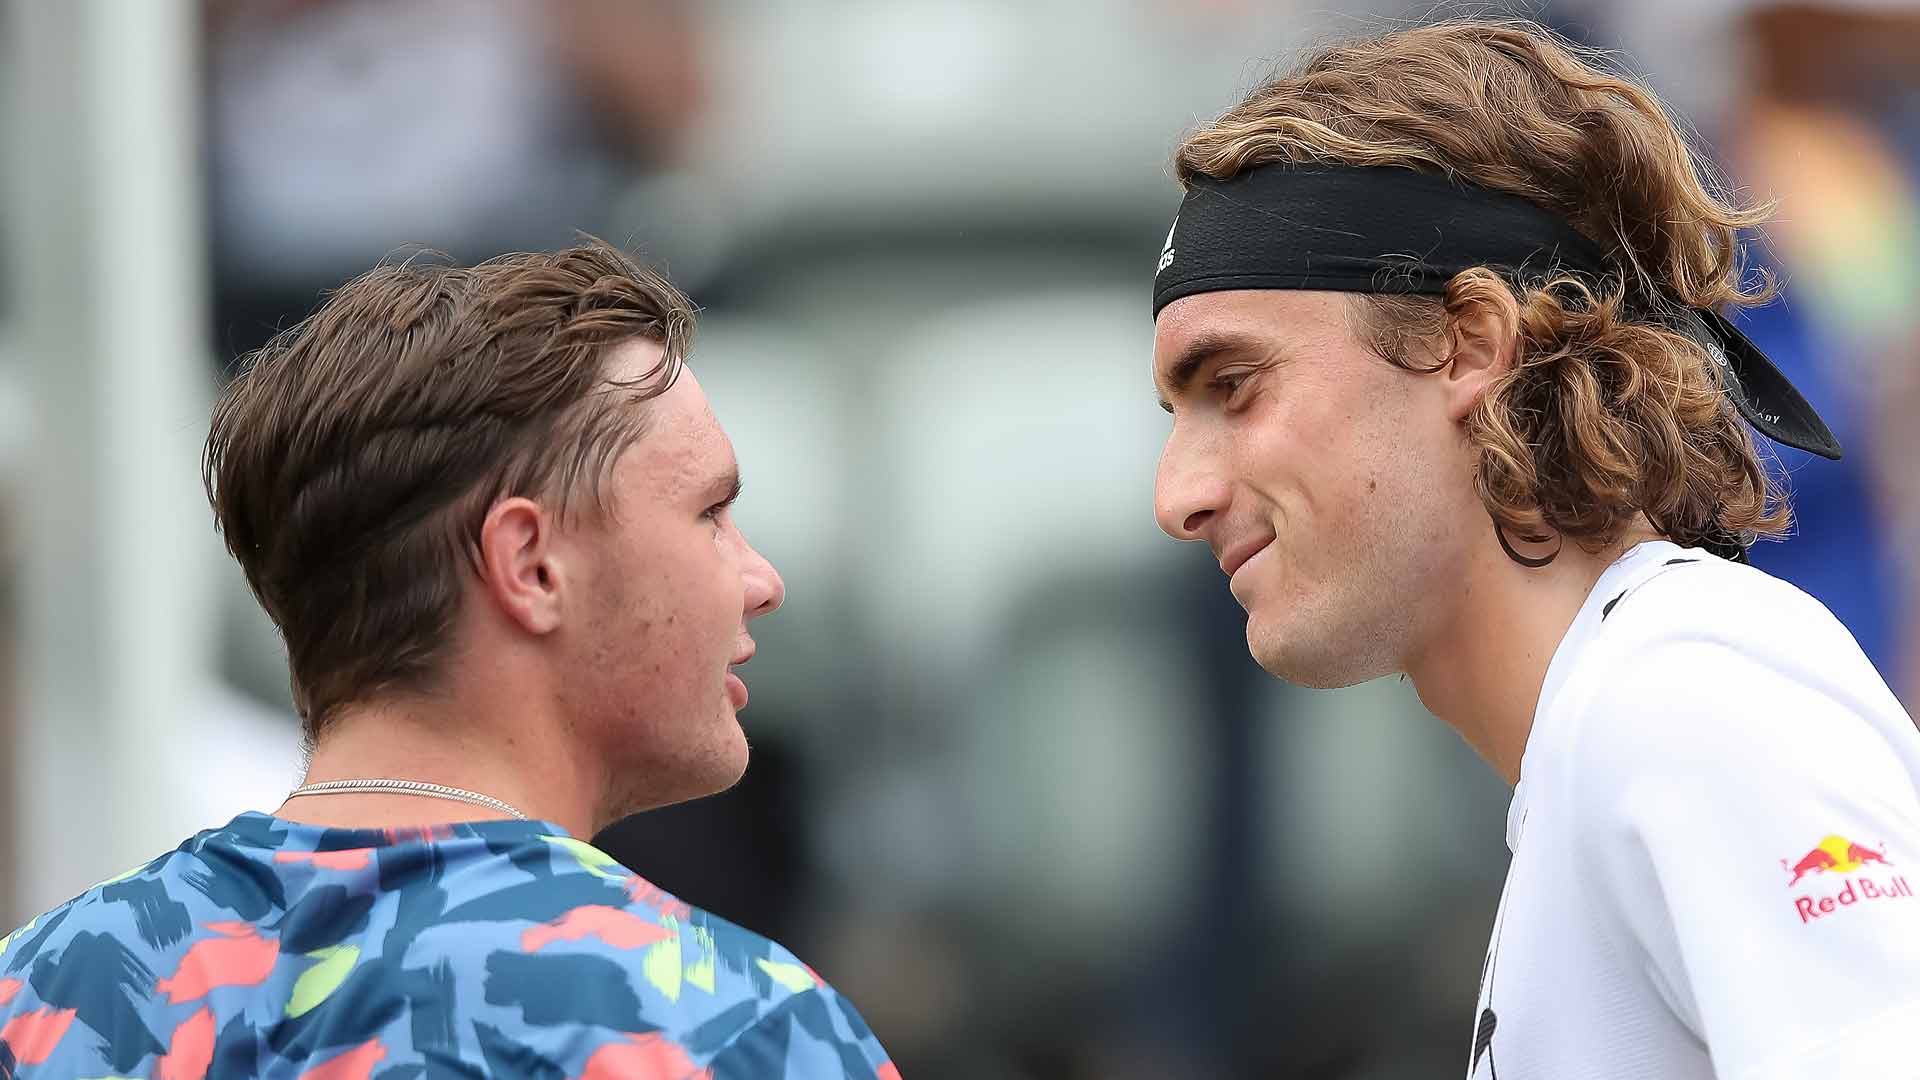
(668,587)
(1334,488)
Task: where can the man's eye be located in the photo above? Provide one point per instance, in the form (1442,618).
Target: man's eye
(1228,384)
(719,509)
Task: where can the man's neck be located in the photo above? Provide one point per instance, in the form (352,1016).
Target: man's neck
(1482,672)
(472,746)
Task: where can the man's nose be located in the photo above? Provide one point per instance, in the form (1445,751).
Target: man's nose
(1189,490)
(765,589)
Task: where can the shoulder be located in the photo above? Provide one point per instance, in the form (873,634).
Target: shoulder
(1696,595)
(1721,641)
(112,943)
(1717,674)
(134,907)
(632,957)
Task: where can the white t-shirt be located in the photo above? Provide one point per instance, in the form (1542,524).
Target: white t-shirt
(1716,845)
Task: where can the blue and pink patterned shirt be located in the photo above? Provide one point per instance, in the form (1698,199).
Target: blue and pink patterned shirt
(489,949)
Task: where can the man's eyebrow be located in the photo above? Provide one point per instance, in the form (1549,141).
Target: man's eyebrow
(1204,348)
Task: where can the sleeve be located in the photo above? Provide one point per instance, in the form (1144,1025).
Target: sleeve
(1758,841)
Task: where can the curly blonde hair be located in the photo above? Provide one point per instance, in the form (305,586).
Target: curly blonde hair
(1608,411)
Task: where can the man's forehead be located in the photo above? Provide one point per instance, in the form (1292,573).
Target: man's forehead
(684,445)
(1275,316)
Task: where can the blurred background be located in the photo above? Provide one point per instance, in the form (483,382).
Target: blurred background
(1016,788)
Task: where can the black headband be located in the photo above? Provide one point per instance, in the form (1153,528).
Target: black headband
(1392,230)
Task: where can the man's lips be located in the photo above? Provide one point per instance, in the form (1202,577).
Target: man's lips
(743,647)
(737,687)
(1236,556)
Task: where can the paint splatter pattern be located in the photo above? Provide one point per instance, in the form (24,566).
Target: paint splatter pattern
(501,948)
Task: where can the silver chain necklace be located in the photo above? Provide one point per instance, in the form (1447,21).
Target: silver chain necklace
(406,787)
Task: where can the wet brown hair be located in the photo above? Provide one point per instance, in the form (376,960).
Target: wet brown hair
(1607,412)
(351,463)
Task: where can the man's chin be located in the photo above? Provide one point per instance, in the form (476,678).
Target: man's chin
(1285,658)
(726,765)
(696,775)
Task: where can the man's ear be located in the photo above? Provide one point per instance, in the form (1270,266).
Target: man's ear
(519,564)
(1483,331)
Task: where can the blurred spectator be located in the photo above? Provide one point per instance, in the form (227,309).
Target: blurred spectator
(339,130)
(1830,127)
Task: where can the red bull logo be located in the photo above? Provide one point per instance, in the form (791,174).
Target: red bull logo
(1839,855)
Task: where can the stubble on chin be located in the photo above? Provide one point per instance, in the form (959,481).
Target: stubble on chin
(669,776)
(1330,644)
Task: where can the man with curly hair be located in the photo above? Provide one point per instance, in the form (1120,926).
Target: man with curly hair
(1440,327)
